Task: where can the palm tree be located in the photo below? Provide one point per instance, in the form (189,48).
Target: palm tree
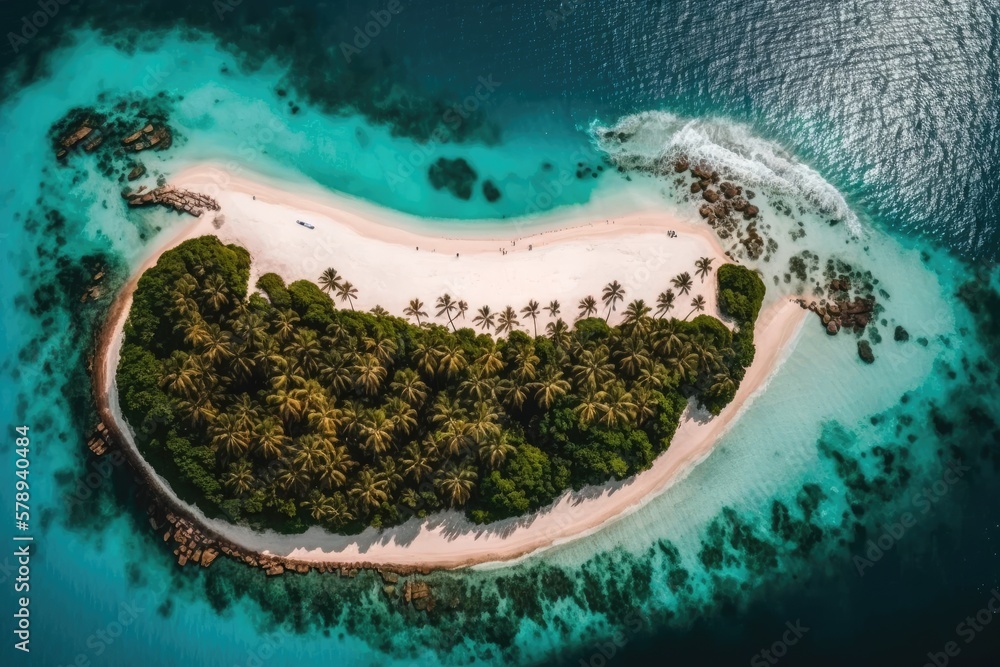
(288,404)
(310,453)
(559,333)
(612,294)
(335,371)
(514,393)
(320,506)
(593,369)
(408,385)
(683,282)
(293,480)
(525,363)
(416,462)
(446,306)
(347,292)
(180,374)
(415,309)
(306,351)
(452,359)
(382,346)
(215,291)
(330,281)
(495,449)
(550,387)
(195,330)
(270,441)
(531,310)
(284,324)
(229,437)
(401,414)
(633,356)
(377,431)
(723,384)
(636,312)
(484,319)
(252,329)
(697,304)
(325,418)
(684,363)
(425,357)
(588,307)
(463,307)
(507,320)
(480,385)
(619,406)
(664,302)
(456,483)
(589,407)
(368,374)
(491,360)
(484,421)
(704,266)
(553,308)
(240,478)
(369,490)
(666,339)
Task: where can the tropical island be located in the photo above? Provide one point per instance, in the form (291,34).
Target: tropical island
(281,409)
(249,262)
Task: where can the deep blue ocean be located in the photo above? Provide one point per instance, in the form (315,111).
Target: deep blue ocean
(875,124)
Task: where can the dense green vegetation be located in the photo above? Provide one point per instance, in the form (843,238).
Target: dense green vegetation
(286,410)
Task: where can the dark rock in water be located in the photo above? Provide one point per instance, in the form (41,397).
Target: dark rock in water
(832,327)
(750,212)
(454,175)
(706,211)
(728,189)
(865,352)
(490,191)
(362,137)
(901,335)
(750,194)
(923,341)
(137,172)
(695,187)
(739,203)
(681,164)
(711,196)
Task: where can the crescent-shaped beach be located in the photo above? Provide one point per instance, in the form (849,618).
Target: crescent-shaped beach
(392,258)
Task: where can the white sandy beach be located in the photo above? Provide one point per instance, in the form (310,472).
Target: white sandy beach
(573,254)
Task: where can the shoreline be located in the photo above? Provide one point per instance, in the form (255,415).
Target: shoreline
(446,540)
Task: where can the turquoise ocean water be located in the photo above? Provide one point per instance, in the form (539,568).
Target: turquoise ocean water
(768,530)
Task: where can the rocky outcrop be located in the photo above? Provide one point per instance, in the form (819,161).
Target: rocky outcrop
(149,136)
(865,352)
(842,314)
(491,191)
(72,139)
(454,175)
(93,290)
(182,201)
(901,335)
(100,441)
(94,129)
(418,593)
(137,172)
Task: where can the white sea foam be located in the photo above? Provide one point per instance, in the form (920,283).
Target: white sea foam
(650,141)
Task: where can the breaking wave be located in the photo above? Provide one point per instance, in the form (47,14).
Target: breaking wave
(650,141)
